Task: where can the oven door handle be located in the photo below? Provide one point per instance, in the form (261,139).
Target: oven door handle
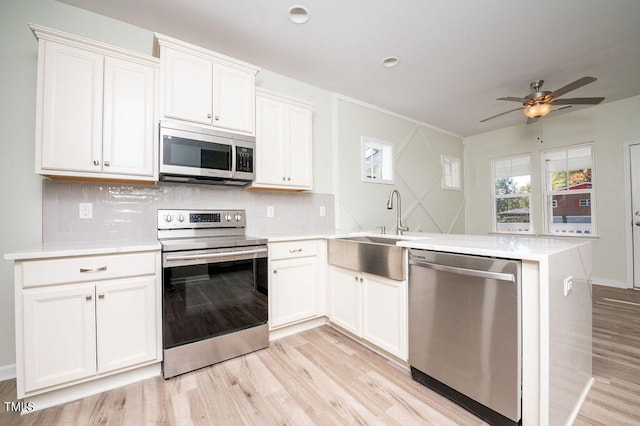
(214,255)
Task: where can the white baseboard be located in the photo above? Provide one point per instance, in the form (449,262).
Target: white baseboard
(296,328)
(578,406)
(82,390)
(7,372)
(610,283)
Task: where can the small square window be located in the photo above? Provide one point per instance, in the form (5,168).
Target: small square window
(377,161)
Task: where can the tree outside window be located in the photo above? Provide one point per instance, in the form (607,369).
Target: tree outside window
(512,194)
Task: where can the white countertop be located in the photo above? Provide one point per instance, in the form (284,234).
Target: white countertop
(506,246)
(51,250)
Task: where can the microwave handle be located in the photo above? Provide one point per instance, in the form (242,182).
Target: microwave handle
(233,158)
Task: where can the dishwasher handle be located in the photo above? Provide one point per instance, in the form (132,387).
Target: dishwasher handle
(415,260)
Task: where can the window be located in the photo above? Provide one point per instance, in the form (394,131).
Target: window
(377,161)
(450,173)
(512,194)
(568,197)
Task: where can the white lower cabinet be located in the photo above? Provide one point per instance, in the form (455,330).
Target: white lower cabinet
(371,307)
(71,332)
(295,284)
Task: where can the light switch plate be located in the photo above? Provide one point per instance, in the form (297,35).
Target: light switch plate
(270,211)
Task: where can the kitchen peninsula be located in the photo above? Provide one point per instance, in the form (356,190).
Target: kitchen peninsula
(556,320)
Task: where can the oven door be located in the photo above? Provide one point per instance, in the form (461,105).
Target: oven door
(209,293)
(186,153)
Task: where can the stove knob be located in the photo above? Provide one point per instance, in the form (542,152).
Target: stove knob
(238,217)
(180,218)
(227,217)
(167,218)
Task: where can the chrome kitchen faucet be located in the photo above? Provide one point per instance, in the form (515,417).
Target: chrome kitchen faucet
(399,228)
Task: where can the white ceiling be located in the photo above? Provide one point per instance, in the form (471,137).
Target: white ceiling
(456,57)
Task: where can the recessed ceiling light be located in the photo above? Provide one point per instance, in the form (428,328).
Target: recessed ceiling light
(298,14)
(390,62)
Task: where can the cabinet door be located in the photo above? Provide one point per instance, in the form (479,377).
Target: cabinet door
(129,137)
(187,86)
(69,123)
(126,323)
(345,299)
(270,169)
(299,144)
(233,99)
(384,314)
(59,335)
(293,290)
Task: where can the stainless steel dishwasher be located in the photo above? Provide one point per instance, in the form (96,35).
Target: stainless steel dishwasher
(465,331)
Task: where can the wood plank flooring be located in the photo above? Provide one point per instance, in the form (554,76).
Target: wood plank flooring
(322,377)
(614,398)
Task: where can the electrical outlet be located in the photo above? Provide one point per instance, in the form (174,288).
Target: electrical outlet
(270,212)
(323,211)
(568,285)
(85,210)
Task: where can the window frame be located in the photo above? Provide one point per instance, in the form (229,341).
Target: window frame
(547,193)
(386,147)
(495,197)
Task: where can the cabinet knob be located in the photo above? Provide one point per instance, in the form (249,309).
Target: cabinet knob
(355,278)
(275,271)
(217,117)
(289,178)
(88,297)
(96,163)
(208,115)
(284,178)
(361,279)
(106,163)
(100,295)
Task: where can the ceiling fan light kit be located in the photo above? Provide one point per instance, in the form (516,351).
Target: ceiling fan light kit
(537,110)
(540,103)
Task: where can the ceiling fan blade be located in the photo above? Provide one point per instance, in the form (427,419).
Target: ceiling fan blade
(502,113)
(573,86)
(511,98)
(577,101)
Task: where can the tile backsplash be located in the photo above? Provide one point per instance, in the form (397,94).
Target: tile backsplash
(129,212)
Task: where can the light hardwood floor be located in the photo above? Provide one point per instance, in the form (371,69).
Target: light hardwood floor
(322,377)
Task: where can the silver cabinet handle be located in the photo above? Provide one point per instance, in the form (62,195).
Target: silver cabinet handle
(96,163)
(208,115)
(298,250)
(637,223)
(88,297)
(90,270)
(217,117)
(638,213)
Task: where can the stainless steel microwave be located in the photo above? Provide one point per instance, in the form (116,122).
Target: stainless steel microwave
(194,154)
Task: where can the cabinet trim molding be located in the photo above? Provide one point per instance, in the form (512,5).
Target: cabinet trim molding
(45,33)
(161,40)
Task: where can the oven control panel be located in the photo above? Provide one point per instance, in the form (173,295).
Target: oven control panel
(185,219)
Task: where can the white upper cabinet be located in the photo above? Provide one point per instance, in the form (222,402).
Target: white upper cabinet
(284,133)
(95,109)
(205,87)
(70,113)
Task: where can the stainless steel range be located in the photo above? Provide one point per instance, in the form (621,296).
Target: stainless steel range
(214,288)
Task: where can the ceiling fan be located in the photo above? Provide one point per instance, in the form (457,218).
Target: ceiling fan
(540,103)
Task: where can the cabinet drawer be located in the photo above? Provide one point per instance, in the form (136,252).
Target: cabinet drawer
(292,249)
(87,268)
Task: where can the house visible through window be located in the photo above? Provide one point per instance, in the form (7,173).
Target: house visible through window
(512,194)
(568,197)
